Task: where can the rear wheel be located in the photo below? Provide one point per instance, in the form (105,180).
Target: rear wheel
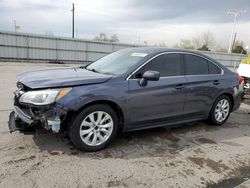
(94,128)
(221,110)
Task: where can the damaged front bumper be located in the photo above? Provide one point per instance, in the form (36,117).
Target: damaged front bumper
(27,117)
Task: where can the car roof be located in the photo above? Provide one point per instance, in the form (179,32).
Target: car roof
(157,50)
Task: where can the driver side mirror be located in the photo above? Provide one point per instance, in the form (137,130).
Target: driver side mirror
(149,76)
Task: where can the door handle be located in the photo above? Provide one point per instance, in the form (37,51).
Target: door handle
(179,86)
(216,82)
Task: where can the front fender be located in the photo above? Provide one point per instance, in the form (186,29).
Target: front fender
(83,95)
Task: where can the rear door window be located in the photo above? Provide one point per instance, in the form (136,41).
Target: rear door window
(195,65)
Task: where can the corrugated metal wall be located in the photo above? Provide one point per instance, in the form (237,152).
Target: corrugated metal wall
(30,47)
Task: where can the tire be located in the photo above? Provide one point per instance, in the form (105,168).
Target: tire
(98,125)
(222,106)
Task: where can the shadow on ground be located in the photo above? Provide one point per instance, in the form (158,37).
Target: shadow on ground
(147,143)
(152,142)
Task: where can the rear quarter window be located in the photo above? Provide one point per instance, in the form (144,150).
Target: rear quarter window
(213,69)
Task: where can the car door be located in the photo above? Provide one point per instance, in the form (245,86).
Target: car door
(203,84)
(160,100)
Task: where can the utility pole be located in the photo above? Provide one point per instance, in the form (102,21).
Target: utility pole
(73,20)
(236,14)
(15,25)
(234,40)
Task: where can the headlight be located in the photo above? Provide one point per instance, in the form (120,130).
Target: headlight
(43,97)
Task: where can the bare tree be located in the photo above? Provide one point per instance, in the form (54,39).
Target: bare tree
(104,37)
(208,39)
(161,44)
(205,41)
(238,43)
(101,37)
(186,44)
(114,38)
(197,42)
(238,47)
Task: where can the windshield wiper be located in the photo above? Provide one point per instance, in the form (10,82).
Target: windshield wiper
(93,70)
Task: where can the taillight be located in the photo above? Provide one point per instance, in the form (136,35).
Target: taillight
(240,79)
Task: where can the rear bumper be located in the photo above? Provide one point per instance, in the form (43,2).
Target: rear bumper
(247,89)
(238,97)
(246,85)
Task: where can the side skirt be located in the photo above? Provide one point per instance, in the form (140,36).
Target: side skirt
(169,124)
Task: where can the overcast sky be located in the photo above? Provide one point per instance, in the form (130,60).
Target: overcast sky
(154,21)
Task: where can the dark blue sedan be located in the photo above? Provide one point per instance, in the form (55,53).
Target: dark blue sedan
(127,90)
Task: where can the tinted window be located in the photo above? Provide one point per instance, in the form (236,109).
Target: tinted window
(195,65)
(213,69)
(167,65)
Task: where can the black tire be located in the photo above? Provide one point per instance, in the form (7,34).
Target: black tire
(75,127)
(212,117)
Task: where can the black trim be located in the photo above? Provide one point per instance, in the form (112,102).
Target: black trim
(165,121)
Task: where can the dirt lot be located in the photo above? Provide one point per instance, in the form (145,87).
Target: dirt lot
(194,155)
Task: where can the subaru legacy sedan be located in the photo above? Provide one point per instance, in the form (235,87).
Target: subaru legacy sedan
(128,90)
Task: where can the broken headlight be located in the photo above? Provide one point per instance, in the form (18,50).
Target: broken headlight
(43,97)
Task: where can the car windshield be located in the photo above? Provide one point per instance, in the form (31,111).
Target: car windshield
(116,63)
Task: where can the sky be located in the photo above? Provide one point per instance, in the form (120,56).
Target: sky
(134,21)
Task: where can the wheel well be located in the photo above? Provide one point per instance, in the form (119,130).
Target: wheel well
(226,94)
(231,98)
(111,104)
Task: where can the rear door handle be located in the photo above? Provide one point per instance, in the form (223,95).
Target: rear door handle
(179,86)
(216,82)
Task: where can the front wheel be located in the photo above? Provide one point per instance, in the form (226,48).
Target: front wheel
(221,110)
(94,128)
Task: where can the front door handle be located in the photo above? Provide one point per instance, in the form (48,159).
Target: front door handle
(179,86)
(216,82)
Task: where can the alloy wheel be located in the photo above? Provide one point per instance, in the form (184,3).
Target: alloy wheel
(222,110)
(96,128)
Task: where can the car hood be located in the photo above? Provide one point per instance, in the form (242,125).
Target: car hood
(60,77)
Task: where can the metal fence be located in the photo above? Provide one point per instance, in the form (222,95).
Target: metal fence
(32,47)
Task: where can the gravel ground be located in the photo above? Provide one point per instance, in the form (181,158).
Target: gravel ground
(193,155)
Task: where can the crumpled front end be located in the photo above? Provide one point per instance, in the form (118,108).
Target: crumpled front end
(29,116)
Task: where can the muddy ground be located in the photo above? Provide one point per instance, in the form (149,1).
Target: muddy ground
(193,155)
